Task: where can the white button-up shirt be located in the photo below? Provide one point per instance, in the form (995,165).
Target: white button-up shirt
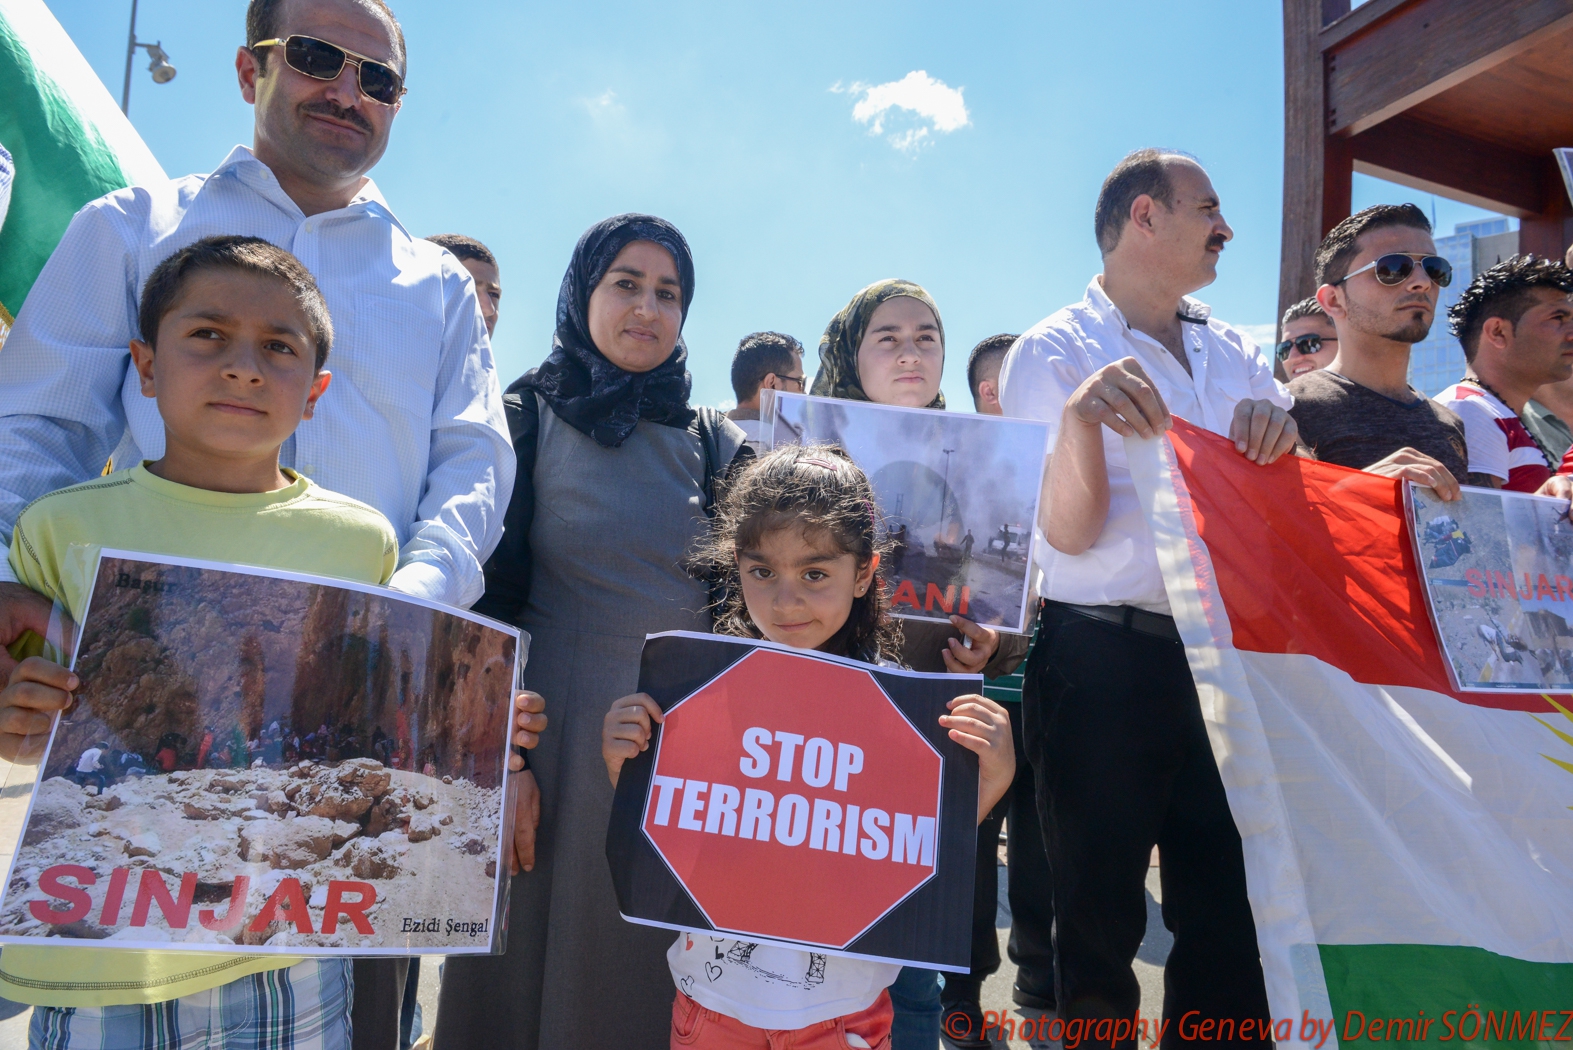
(412,423)
(1054,357)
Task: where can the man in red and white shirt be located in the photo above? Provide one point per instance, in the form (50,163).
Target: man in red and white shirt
(1515,322)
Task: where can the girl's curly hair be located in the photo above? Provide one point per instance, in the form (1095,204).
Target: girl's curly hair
(818,489)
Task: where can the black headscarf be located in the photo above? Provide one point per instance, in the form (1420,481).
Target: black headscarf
(589,392)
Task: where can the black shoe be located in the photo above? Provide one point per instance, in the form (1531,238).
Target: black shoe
(1045,1003)
(961,1025)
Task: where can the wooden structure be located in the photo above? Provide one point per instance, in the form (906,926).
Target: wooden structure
(1462,98)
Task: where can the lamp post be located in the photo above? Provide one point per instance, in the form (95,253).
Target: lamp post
(158,61)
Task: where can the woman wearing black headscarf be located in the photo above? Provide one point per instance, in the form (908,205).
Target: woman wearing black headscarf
(614,484)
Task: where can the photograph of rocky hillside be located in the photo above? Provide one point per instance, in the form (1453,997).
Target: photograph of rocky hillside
(255,760)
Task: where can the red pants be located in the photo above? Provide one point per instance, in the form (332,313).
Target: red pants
(694,1026)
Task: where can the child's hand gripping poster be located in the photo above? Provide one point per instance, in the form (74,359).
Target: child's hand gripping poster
(270,762)
(958,493)
(800,800)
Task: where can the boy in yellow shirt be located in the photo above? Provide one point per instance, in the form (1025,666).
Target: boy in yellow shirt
(241,333)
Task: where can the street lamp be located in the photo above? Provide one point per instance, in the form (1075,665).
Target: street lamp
(158,61)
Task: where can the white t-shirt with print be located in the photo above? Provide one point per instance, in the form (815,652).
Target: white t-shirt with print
(774,988)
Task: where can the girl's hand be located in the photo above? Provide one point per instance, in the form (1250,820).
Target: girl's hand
(979,724)
(627,730)
(961,660)
(529,724)
(38,690)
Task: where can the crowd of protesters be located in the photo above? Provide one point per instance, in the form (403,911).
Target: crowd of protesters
(419,434)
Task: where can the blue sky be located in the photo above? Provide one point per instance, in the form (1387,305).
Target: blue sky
(527,122)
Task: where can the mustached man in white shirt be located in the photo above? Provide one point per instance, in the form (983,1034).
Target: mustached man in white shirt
(1112,724)
(414,423)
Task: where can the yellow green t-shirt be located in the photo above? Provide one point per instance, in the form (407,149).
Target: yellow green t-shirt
(301,528)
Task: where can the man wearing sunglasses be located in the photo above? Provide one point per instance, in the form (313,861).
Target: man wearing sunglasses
(1307,339)
(1379,276)
(764,361)
(414,379)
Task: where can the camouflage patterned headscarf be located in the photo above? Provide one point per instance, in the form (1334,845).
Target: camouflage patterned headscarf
(838,347)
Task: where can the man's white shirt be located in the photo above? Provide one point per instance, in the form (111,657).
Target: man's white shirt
(411,424)
(1054,357)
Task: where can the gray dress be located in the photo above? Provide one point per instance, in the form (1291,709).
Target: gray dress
(609,531)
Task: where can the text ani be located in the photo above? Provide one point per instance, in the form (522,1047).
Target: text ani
(819,822)
(347,899)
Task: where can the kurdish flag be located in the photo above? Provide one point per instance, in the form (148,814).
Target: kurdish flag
(1408,848)
(67,141)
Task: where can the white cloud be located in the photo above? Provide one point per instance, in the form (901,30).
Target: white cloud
(605,106)
(937,106)
(1264,335)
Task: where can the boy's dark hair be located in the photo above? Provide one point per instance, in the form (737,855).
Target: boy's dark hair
(1304,308)
(464,247)
(761,354)
(1506,290)
(262,23)
(820,490)
(983,355)
(248,255)
(1338,249)
(1142,171)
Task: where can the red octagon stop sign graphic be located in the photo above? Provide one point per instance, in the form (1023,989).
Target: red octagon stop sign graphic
(794,800)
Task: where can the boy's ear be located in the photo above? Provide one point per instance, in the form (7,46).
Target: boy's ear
(142,359)
(319,386)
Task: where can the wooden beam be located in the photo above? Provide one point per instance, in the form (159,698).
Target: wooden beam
(1409,51)
(1358,21)
(1305,183)
(1435,160)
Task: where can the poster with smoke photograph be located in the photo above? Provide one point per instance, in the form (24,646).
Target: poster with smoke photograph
(958,492)
(270,762)
(1498,574)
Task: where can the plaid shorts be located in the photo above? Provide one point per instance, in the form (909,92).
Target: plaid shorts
(306,1007)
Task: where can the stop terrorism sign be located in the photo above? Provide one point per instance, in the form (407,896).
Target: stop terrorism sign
(800,799)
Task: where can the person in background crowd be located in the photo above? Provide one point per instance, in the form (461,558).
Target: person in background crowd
(1378,277)
(1515,322)
(1113,727)
(888,346)
(1307,339)
(623,470)
(1031,945)
(983,372)
(414,376)
(1546,414)
(764,361)
(482,264)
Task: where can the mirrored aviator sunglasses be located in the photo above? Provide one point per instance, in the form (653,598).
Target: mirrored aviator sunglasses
(1306,344)
(321,60)
(1395,269)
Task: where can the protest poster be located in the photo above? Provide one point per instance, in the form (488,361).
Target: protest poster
(958,492)
(272,762)
(1405,842)
(1498,574)
(801,800)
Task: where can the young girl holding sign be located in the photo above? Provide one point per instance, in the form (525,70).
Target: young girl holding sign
(795,537)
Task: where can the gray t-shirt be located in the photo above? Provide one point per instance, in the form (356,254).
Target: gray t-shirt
(1354,426)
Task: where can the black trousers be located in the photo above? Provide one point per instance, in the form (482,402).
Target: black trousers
(1114,731)
(1031,945)
(379,995)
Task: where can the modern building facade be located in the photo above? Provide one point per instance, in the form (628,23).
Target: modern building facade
(1438,360)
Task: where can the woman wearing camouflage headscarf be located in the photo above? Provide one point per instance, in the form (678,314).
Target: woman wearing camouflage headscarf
(888,346)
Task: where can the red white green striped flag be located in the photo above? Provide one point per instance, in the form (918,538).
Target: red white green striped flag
(67,139)
(1408,847)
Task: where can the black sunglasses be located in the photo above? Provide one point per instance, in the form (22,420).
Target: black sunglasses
(1396,268)
(324,61)
(1306,344)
